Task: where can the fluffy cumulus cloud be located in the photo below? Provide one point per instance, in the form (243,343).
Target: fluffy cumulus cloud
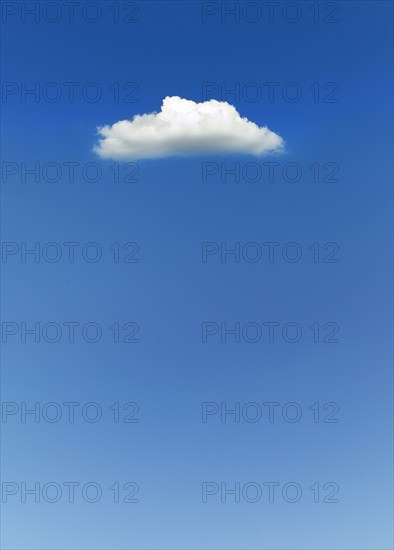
(184,127)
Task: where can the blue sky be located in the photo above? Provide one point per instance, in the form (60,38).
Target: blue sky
(343,53)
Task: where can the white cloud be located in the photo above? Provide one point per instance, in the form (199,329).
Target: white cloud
(183,128)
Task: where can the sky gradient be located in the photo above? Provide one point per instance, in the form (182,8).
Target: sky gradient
(171,291)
